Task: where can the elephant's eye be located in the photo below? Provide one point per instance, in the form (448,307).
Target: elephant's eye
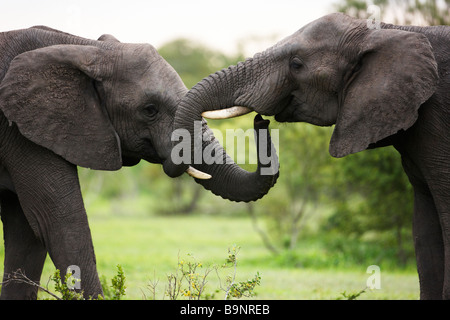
(150,110)
(296,64)
(357,67)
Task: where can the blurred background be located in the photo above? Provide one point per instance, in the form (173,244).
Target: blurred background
(325,221)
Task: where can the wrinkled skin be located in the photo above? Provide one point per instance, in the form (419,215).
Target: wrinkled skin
(387,86)
(65,102)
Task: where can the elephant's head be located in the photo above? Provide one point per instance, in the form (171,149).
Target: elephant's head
(98,104)
(103,104)
(335,70)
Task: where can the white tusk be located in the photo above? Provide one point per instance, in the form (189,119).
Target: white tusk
(226,113)
(197,173)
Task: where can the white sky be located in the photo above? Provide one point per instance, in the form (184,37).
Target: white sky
(217,24)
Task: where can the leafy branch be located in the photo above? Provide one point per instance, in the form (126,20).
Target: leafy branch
(190,280)
(65,291)
(20,277)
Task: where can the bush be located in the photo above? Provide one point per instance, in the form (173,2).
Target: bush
(190,278)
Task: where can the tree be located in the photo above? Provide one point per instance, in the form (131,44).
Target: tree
(193,61)
(416,12)
(372,193)
(304,179)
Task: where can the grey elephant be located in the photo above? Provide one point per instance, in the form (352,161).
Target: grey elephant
(378,86)
(67,101)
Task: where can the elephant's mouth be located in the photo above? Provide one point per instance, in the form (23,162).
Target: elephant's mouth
(280,110)
(175,171)
(128,161)
(130,158)
(287,113)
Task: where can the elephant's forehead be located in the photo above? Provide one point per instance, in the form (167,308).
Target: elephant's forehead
(328,28)
(148,73)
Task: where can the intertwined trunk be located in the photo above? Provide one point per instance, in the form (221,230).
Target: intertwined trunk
(225,89)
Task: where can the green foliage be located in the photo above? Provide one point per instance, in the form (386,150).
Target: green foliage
(415,12)
(322,265)
(377,177)
(244,288)
(114,292)
(193,61)
(355,8)
(351,295)
(238,289)
(118,284)
(190,278)
(339,251)
(187,281)
(63,289)
(117,289)
(304,181)
(373,194)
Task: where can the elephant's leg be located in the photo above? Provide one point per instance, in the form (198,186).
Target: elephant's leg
(429,245)
(23,250)
(438,226)
(50,196)
(446,233)
(442,201)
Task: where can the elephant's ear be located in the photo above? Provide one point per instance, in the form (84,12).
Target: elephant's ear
(50,94)
(397,74)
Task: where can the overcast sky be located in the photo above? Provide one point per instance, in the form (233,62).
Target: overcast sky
(218,24)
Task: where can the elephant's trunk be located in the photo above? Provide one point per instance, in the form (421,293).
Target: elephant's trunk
(225,89)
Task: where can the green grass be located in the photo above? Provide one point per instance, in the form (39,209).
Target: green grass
(148,249)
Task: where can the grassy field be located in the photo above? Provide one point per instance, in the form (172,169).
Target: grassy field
(148,248)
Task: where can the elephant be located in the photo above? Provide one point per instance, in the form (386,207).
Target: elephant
(67,101)
(379,86)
